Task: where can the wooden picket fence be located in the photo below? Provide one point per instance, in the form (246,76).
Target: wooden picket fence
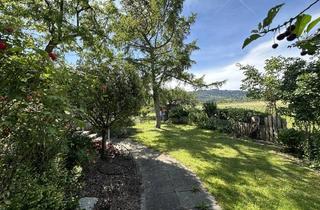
(266,129)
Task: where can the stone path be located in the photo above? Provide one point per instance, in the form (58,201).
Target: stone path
(167,185)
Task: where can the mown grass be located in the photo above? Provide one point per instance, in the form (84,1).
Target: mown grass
(239,173)
(252,105)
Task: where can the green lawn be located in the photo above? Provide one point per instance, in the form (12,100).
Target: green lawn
(239,173)
(252,105)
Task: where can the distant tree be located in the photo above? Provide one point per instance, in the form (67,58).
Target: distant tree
(299,26)
(107,95)
(170,98)
(154,32)
(264,86)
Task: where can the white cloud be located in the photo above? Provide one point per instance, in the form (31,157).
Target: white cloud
(256,56)
(230,72)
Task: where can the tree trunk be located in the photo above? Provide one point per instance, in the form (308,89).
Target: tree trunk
(103,145)
(156,101)
(109,135)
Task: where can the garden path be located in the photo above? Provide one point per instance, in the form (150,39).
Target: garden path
(166,184)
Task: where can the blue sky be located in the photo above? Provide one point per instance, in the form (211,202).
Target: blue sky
(221,27)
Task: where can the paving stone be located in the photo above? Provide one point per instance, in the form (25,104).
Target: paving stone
(167,184)
(190,199)
(165,201)
(87,203)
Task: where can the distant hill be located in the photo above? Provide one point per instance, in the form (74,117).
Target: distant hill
(220,95)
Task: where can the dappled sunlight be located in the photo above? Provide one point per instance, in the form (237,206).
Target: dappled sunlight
(241,174)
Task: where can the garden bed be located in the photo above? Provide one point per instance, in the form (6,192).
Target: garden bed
(115,182)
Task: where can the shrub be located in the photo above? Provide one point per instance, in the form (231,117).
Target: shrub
(195,116)
(239,115)
(207,123)
(79,150)
(311,146)
(179,115)
(292,140)
(223,125)
(210,108)
(121,130)
(55,189)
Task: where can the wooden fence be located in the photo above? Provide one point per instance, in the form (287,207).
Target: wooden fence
(266,129)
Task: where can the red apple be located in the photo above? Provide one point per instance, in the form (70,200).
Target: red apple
(3,45)
(53,56)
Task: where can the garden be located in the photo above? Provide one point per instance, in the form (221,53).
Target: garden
(88,120)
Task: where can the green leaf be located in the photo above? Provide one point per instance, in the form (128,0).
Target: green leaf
(313,24)
(301,23)
(271,14)
(250,39)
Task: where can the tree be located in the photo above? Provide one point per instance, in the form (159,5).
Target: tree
(154,33)
(106,94)
(170,98)
(33,106)
(265,86)
(69,25)
(300,87)
(299,26)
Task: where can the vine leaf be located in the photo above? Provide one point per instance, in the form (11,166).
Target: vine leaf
(271,14)
(250,39)
(301,23)
(313,24)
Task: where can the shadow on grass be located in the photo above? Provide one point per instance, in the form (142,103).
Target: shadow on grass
(241,174)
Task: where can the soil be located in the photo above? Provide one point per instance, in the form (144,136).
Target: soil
(115,182)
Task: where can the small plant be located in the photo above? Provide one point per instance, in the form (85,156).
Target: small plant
(292,140)
(210,108)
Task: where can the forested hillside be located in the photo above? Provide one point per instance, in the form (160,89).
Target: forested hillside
(220,95)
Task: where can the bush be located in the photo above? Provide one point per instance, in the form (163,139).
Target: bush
(210,108)
(223,125)
(207,123)
(79,150)
(195,116)
(121,130)
(239,115)
(292,140)
(179,115)
(55,189)
(311,146)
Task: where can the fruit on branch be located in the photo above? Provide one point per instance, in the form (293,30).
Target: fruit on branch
(3,45)
(275,45)
(53,56)
(287,33)
(303,53)
(291,37)
(291,28)
(281,37)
